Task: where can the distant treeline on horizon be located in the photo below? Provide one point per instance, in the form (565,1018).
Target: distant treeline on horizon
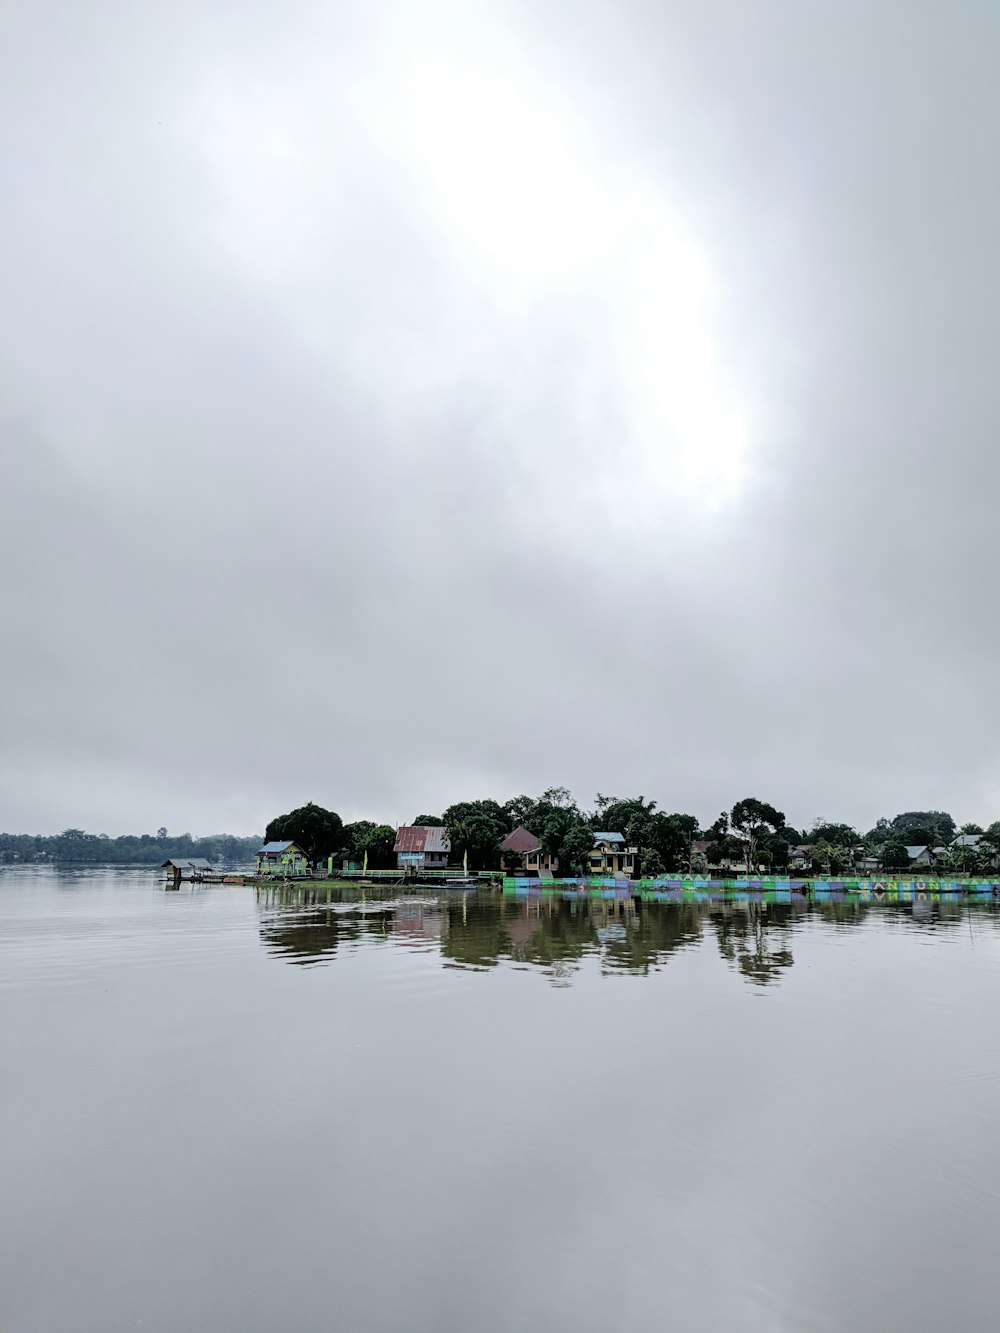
(76,847)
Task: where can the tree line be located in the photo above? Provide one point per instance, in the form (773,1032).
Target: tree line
(753,834)
(77,847)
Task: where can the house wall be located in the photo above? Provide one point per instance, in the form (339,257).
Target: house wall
(612,859)
(292,862)
(422,860)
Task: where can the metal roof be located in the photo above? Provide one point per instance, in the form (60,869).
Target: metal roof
(274,847)
(609,837)
(188,863)
(422,838)
(967,840)
(521,840)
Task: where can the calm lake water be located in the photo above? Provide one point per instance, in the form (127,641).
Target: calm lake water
(223,1111)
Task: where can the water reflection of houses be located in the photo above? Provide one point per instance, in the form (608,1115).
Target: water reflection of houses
(417,922)
(304,938)
(621,932)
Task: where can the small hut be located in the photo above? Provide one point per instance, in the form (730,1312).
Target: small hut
(187,867)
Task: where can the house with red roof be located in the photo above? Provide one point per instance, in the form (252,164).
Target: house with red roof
(521,851)
(422,847)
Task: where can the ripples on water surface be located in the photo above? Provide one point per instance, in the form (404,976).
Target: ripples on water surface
(231,1110)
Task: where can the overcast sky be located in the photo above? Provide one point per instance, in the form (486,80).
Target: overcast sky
(409,402)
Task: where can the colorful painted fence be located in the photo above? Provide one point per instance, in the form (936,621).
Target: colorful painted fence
(773,888)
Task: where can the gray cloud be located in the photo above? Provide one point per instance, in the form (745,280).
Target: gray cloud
(431,401)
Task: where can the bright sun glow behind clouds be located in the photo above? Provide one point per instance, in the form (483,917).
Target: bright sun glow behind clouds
(504,173)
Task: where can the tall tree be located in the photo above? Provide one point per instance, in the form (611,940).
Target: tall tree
(428,821)
(317,831)
(613,814)
(517,812)
(751,819)
(532,812)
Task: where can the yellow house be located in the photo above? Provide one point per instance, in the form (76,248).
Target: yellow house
(282,860)
(610,857)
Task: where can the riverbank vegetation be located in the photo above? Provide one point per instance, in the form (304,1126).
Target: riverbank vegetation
(752,834)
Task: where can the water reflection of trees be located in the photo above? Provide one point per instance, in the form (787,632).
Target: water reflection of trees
(756,937)
(628,935)
(306,926)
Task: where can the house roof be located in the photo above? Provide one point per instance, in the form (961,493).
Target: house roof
(914,851)
(422,838)
(521,840)
(609,837)
(274,848)
(967,840)
(187,863)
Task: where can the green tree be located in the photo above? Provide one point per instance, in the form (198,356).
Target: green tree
(318,832)
(378,842)
(477,828)
(354,836)
(650,862)
(990,840)
(956,859)
(575,844)
(841,859)
(837,835)
(985,858)
(881,833)
(892,856)
(428,821)
(722,846)
(779,852)
(517,812)
(972,828)
(533,812)
(554,801)
(614,814)
(752,819)
(820,857)
(670,836)
(930,828)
